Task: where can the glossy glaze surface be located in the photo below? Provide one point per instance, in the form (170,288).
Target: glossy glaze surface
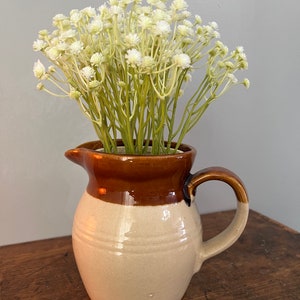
(137,233)
(134,179)
(136,252)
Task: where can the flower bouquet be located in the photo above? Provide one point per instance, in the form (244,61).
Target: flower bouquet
(127,63)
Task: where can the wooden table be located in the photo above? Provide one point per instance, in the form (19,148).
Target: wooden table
(264,264)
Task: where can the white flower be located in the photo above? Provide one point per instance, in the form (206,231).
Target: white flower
(213,25)
(53,53)
(211,30)
(232,78)
(97,59)
(95,26)
(184,30)
(162,28)
(75,16)
(62,46)
(221,46)
(43,33)
(148,63)
(39,45)
(208,29)
(145,22)
(54,41)
(133,57)
(161,5)
(240,57)
(187,41)
(216,34)
(161,15)
(89,11)
(187,23)
(240,49)
(185,14)
(57,19)
(131,40)
(229,65)
(179,5)
(115,10)
(88,73)
(243,56)
(182,60)
(76,47)
(39,70)
(68,34)
(198,19)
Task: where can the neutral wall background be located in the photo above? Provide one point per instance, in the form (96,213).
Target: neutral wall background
(254,133)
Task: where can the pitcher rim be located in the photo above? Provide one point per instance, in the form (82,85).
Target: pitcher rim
(95,145)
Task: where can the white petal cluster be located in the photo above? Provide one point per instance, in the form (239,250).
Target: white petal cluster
(39,45)
(132,40)
(89,11)
(53,53)
(97,59)
(184,30)
(179,5)
(145,22)
(133,58)
(75,16)
(182,60)
(88,73)
(68,34)
(95,26)
(76,47)
(162,28)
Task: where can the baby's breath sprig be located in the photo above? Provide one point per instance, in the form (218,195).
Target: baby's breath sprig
(126,65)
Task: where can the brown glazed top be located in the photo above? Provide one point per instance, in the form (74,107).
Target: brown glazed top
(134,179)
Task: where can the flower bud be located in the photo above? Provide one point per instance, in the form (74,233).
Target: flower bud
(40,86)
(246,83)
(74,94)
(39,70)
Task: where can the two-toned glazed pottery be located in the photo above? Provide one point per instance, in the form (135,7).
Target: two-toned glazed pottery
(137,232)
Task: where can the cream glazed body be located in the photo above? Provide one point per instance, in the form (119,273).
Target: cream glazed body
(137,233)
(147,252)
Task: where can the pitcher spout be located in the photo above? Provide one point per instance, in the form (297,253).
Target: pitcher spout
(76,156)
(85,154)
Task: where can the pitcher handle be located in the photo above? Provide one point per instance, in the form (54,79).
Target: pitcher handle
(227,237)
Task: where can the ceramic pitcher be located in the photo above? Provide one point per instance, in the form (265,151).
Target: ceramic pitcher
(137,232)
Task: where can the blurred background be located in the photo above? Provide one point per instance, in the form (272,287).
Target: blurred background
(255,132)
